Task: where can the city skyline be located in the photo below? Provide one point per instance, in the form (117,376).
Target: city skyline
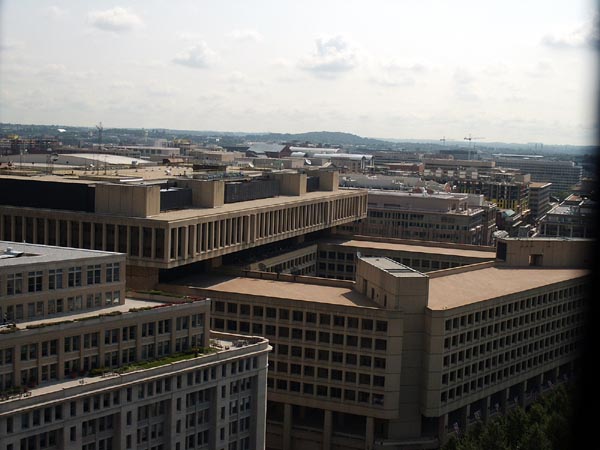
(505,72)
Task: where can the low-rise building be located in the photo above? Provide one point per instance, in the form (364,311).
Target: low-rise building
(106,372)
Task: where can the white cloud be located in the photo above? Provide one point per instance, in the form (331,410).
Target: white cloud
(246,35)
(200,56)
(464,85)
(333,56)
(117,19)
(394,74)
(585,36)
(55,12)
(541,69)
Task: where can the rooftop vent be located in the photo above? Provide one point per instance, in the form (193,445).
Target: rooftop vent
(10,253)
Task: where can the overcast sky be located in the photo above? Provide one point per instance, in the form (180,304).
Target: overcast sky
(503,70)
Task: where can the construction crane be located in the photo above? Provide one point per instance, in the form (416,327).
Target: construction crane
(470,139)
(444,140)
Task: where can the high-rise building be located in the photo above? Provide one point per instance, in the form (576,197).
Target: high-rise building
(81,366)
(539,199)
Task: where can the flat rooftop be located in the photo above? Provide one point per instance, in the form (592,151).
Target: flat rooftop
(124,308)
(392,267)
(538,184)
(287,290)
(398,247)
(282,200)
(37,253)
(460,289)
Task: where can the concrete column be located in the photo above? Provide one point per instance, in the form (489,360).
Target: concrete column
(287,426)
(45,230)
(327,430)
(92,235)
(140,242)
(128,239)
(205,235)
(104,240)
(167,243)
(34,240)
(370,433)
(153,243)
(176,242)
(442,427)
(503,397)
(186,240)
(485,410)
(464,413)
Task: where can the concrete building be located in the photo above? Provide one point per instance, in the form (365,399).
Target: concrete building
(440,217)
(574,217)
(563,175)
(400,359)
(539,199)
(162,225)
(336,258)
(91,369)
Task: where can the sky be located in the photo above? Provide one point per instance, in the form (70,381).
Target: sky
(497,70)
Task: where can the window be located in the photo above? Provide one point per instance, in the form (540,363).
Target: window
(74,276)
(113,272)
(14,284)
(94,274)
(34,281)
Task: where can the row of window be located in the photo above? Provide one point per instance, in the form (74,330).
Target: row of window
(499,359)
(486,381)
(15,282)
(33,310)
(511,341)
(327,374)
(468,320)
(308,317)
(519,322)
(334,393)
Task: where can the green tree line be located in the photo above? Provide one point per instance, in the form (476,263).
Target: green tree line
(545,425)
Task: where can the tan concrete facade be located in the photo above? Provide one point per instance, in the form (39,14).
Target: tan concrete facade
(398,357)
(44,281)
(120,374)
(438,217)
(171,239)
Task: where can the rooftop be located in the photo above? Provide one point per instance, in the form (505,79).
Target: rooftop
(538,185)
(392,267)
(38,253)
(96,312)
(465,288)
(191,213)
(491,254)
(281,289)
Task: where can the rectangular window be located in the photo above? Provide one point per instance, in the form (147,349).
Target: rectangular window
(94,274)
(74,276)
(113,272)
(14,284)
(34,281)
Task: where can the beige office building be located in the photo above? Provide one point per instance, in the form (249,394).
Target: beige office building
(400,359)
(104,372)
(439,217)
(164,225)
